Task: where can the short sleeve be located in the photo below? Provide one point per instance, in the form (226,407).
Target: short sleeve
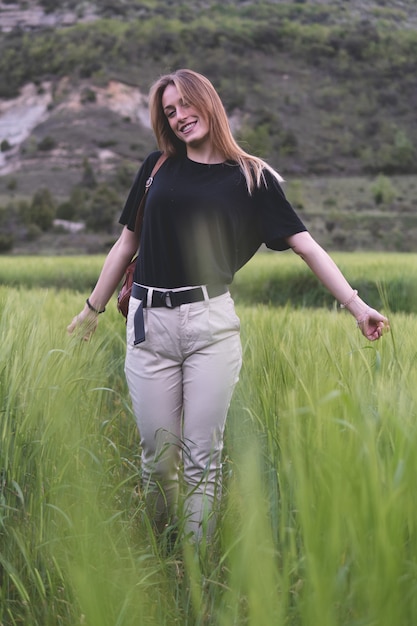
(128,215)
(276,217)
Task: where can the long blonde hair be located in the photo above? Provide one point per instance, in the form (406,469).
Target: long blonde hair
(200,93)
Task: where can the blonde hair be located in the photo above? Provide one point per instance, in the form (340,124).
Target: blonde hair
(198,91)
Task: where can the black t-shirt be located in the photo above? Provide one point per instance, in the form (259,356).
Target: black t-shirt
(200,223)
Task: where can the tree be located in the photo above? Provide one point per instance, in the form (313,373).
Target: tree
(6,242)
(88,180)
(7,216)
(79,200)
(104,204)
(42,209)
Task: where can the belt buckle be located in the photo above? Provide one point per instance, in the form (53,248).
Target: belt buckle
(166,299)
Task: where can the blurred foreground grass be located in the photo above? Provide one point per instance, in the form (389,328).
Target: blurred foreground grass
(318,523)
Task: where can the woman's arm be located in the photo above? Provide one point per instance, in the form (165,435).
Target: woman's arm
(111,274)
(370,321)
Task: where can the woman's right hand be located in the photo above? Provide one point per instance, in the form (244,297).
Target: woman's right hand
(114,267)
(84,324)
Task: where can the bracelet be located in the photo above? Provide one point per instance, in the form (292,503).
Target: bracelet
(364,317)
(90,306)
(351,299)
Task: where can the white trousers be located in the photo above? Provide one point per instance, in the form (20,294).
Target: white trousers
(181,380)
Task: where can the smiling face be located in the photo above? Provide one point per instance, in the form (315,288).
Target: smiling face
(187,122)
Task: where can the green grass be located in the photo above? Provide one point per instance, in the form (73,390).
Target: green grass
(318,524)
(337,419)
(383,279)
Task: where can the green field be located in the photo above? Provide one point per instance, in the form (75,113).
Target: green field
(318,524)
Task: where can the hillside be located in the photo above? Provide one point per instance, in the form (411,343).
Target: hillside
(320,89)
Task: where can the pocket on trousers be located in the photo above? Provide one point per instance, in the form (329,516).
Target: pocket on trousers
(198,329)
(223,317)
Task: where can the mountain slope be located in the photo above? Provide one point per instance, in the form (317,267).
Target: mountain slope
(317,87)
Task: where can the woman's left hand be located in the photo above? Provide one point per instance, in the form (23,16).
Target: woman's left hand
(372,324)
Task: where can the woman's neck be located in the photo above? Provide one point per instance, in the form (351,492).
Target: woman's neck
(206,154)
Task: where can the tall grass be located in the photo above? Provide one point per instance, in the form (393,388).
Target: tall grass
(68,516)
(270,279)
(335,418)
(381,278)
(318,523)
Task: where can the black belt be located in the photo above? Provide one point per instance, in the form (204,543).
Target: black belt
(169,299)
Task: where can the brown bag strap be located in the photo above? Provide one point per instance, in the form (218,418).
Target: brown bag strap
(141,208)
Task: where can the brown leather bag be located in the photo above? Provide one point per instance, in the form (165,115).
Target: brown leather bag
(126,288)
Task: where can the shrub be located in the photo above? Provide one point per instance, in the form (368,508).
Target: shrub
(6,242)
(46,144)
(33,232)
(403,152)
(124,176)
(256,140)
(88,95)
(383,190)
(107,143)
(48,5)
(11,184)
(65,211)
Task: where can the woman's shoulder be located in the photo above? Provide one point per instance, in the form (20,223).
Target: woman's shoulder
(151,159)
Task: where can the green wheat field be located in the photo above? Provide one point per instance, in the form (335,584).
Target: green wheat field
(318,525)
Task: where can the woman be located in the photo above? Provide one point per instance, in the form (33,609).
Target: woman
(210,207)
